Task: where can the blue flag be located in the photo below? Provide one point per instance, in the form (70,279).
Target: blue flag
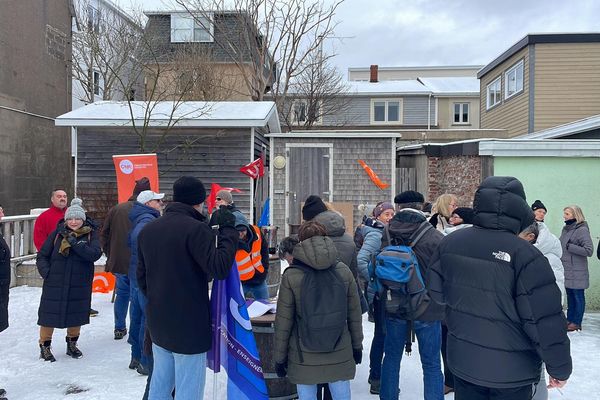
(264,217)
(233,344)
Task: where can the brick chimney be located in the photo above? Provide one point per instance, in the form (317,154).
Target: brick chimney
(374,74)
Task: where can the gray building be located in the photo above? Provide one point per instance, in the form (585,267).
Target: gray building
(35,87)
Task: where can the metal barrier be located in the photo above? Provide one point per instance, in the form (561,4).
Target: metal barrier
(18,233)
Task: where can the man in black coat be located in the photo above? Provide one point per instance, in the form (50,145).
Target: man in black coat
(504,312)
(4,284)
(178,254)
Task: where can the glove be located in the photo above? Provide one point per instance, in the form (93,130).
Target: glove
(62,230)
(357,355)
(71,239)
(281,369)
(222,217)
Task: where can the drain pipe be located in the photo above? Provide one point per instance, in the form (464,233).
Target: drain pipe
(429,112)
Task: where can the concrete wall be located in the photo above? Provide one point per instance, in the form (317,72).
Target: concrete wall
(559,182)
(35,54)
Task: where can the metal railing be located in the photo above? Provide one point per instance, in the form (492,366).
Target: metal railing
(18,234)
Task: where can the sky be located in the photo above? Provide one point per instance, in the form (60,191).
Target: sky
(440,32)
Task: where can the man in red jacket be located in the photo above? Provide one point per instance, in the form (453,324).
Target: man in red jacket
(45,224)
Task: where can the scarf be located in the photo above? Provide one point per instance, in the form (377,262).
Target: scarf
(65,245)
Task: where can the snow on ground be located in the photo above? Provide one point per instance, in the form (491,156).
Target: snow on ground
(103,374)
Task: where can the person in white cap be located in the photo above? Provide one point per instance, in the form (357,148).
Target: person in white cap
(146,208)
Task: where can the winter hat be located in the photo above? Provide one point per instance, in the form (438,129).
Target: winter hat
(189,190)
(141,185)
(409,196)
(313,206)
(149,195)
(225,195)
(76,210)
(386,205)
(537,205)
(241,223)
(466,213)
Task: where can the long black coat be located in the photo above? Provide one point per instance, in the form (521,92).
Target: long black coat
(176,259)
(4,282)
(67,289)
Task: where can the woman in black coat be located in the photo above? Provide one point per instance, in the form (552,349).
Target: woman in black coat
(66,262)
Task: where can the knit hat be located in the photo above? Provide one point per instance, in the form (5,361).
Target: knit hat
(189,190)
(313,206)
(141,185)
(225,195)
(466,213)
(76,211)
(386,205)
(537,205)
(149,195)
(241,223)
(409,196)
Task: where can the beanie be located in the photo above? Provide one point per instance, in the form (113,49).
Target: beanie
(381,208)
(537,205)
(465,213)
(225,195)
(76,211)
(313,206)
(189,190)
(141,185)
(409,196)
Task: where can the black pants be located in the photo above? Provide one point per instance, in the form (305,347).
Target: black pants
(464,390)
(448,376)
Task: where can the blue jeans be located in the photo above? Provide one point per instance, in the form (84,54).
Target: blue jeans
(376,354)
(186,373)
(259,291)
(137,324)
(575,305)
(121,300)
(340,390)
(429,337)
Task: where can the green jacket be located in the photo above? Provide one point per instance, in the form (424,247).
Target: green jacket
(318,252)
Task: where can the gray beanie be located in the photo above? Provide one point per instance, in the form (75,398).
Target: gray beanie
(76,210)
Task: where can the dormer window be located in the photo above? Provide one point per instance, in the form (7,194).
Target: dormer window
(186,28)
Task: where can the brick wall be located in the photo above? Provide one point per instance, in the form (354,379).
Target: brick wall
(459,175)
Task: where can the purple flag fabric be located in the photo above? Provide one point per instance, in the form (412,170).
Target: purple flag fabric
(233,344)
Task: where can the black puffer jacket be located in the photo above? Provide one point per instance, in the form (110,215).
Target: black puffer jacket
(504,312)
(4,282)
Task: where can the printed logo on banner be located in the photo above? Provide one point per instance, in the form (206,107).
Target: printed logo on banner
(126,167)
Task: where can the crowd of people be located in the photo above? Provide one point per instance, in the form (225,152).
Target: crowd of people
(487,311)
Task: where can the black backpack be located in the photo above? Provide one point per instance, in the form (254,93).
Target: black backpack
(323,315)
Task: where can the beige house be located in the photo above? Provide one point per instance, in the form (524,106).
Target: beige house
(542,81)
(401,73)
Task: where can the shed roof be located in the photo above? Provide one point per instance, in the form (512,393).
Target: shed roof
(568,129)
(452,86)
(194,114)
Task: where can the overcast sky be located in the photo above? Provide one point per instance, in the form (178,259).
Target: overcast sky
(442,32)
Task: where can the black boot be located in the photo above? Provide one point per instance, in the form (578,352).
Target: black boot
(45,352)
(72,349)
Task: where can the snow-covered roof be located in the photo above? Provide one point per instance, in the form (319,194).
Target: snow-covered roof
(571,128)
(409,86)
(197,114)
(452,86)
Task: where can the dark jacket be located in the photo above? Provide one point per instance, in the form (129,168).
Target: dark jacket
(139,216)
(319,253)
(504,313)
(114,238)
(402,228)
(176,259)
(4,282)
(577,246)
(67,288)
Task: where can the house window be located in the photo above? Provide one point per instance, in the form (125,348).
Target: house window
(94,82)
(93,19)
(513,80)
(386,111)
(304,111)
(461,113)
(185,28)
(494,94)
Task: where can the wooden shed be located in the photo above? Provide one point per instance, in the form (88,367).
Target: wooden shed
(208,140)
(325,163)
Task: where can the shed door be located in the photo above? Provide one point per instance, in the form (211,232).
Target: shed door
(307,173)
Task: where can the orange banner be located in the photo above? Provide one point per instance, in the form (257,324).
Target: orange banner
(130,168)
(374,178)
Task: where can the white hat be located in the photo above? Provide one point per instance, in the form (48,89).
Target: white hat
(149,195)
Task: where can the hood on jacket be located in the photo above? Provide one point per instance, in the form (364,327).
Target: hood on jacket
(405,223)
(333,222)
(140,209)
(318,252)
(500,204)
(546,242)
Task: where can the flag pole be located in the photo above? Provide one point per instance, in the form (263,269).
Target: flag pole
(215,387)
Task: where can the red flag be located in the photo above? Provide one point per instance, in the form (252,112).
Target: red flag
(255,169)
(211,199)
(373,176)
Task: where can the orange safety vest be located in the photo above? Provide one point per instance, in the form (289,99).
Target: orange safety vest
(248,263)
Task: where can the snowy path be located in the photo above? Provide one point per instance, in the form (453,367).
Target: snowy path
(103,372)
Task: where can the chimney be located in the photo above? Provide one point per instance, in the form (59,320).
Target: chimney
(374,74)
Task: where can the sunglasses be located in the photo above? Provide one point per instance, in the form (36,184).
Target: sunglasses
(218,199)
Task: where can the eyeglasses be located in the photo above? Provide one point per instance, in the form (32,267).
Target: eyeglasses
(218,199)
